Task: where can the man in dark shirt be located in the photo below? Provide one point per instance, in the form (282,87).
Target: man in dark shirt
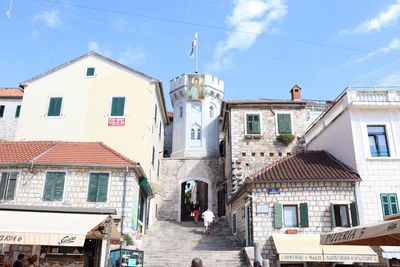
(1,260)
(18,263)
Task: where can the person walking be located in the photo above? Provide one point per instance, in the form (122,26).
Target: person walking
(208,217)
(19,261)
(196,213)
(196,262)
(257,264)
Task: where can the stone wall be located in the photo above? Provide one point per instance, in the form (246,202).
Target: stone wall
(174,171)
(8,123)
(318,195)
(30,186)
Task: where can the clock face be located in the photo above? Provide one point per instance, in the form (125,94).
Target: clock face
(196,107)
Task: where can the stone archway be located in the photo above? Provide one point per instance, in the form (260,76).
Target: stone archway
(209,193)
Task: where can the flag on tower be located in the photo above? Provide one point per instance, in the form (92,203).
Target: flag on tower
(194,44)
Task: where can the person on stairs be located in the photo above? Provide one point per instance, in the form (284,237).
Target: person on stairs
(196,262)
(196,212)
(208,217)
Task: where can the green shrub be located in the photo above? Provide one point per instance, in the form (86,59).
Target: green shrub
(128,239)
(286,139)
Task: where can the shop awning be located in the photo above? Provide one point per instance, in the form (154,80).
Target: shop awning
(307,248)
(51,228)
(390,252)
(146,187)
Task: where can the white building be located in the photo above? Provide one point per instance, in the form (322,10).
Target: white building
(10,108)
(362,129)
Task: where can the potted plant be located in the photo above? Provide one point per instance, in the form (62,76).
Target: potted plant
(292,231)
(285,139)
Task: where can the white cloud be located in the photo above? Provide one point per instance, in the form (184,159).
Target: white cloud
(94,46)
(252,16)
(394,44)
(130,55)
(384,19)
(51,18)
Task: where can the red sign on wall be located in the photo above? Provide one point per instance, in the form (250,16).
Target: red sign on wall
(116,121)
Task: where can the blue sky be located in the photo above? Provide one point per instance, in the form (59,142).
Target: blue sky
(287,42)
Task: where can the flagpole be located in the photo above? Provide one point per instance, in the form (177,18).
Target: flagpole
(197,54)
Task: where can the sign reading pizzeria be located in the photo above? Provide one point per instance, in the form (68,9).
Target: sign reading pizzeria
(116,121)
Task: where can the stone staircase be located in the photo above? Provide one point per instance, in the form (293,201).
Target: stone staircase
(175,244)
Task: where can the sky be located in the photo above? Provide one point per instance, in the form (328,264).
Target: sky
(260,48)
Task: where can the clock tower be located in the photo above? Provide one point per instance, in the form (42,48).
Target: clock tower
(196,99)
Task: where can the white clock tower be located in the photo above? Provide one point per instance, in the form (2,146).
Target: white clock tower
(196,99)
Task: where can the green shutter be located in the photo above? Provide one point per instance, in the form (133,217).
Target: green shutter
(278,215)
(234,223)
(12,184)
(354,214)
(102,187)
(49,186)
(90,72)
(92,192)
(304,215)
(59,185)
(18,111)
(393,204)
(333,219)
(54,186)
(2,107)
(253,123)
(55,106)
(118,106)
(3,183)
(385,204)
(284,124)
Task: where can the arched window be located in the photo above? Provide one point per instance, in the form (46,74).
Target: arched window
(192,134)
(180,112)
(198,134)
(211,112)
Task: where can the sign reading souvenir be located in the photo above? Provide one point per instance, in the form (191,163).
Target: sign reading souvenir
(116,121)
(273,191)
(195,89)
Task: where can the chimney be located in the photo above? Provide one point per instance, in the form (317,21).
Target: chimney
(296,92)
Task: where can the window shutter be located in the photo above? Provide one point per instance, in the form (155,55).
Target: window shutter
(354,214)
(49,186)
(3,183)
(393,204)
(256,124)
(284,124)
(114,107)
(304,215)
(12,184)
(121,106)
(385,205)
(102,187)
(333,216)
(2,107)
(234,223)
(92,191)
(59,185)
(18,111)
(253,123)
(278,215)
(55,106)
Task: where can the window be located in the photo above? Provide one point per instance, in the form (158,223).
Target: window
(152,156)
(284,124)
(234,223)
(158,168)
(2,107)
(54,107)
(90,72)
(389,204)
(98,187)
(155,113)
(253,124)
(211,112)
(17,111)
(377,141)
(118,106)
(192,134)
(198,134)
(54,186)
(180,112)
(159,130)
(291,215)
(8,183)
(340,215)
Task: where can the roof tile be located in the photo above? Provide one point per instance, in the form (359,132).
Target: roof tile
(11,92)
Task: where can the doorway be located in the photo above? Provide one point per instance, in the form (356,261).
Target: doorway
(193,192)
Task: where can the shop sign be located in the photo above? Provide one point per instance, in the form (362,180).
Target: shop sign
(301,257)
(262,208)
(116,121)
(273,191)
(10,238)
(351,258)
(67,240)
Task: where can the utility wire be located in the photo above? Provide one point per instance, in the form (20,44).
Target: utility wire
(185,42)
(216,27)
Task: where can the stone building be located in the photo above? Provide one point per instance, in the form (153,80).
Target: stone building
(10,108)
(194,170)
(284,206)
(79,176)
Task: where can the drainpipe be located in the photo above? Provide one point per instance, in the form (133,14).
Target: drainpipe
(123,215)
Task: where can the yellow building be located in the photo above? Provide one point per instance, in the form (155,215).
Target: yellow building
(93,98)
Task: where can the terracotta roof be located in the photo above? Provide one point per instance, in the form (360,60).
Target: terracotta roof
(56,152)
(11,92)
(312,165)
